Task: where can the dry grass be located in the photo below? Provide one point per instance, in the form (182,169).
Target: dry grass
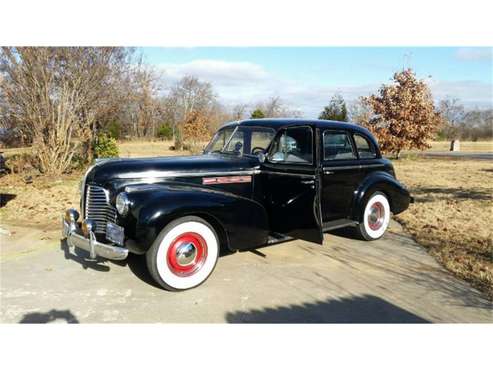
(147,149)
(453,214)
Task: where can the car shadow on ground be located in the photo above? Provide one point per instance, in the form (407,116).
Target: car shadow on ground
(50,316)
(82,257)
(366,309)
(5,198)
(135,263)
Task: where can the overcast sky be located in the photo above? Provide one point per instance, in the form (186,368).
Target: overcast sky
(306,78)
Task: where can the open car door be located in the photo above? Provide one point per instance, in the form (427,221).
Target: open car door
(292,185)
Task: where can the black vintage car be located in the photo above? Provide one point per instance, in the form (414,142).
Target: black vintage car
(258,182)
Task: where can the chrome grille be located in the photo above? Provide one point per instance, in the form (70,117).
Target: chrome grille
(98,207)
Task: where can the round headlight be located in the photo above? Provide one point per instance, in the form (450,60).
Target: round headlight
(122,203)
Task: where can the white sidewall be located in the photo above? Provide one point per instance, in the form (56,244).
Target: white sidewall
(186,282)
(375,234)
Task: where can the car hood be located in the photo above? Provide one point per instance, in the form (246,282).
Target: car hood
(163,167)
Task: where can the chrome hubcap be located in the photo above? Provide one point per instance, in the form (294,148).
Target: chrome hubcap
(376,216)
(185,254)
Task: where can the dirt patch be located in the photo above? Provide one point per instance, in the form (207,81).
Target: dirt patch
(39,203)
(453,214)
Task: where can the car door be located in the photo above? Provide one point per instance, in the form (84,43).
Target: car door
(292,184)
(340,178)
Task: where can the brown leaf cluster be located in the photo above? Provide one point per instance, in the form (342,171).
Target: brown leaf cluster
(196,128)
(404,115)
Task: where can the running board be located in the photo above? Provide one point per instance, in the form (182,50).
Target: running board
(275,238)
(331,225)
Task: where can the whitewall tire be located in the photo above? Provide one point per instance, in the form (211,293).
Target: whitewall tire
(375,218)
(184,254)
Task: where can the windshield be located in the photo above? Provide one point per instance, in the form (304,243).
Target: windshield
(241,140)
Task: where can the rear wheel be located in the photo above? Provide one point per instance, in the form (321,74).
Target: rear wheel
(375,218)
(184,254)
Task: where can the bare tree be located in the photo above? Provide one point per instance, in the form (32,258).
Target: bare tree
(274,107)
(452,110)
(56,94)
(146,89)
(238,112)
(189,96)
(359,111)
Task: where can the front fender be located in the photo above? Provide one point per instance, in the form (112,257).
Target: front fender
(241,223)
(398,196)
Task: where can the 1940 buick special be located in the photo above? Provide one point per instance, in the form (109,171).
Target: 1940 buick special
(258,182)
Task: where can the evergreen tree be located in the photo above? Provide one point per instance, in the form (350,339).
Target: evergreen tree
(257,113)
(336,110)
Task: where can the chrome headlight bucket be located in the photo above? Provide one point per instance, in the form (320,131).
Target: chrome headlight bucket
(122,204)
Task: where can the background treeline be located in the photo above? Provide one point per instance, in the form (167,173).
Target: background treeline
(68,103)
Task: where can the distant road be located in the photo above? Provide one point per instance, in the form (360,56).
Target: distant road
(460,155)
(484,156)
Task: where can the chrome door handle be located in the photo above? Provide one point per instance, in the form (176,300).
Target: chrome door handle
(328,172)
(308,182)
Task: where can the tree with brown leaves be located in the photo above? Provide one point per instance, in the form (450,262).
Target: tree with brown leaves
(404,116)
(195,129)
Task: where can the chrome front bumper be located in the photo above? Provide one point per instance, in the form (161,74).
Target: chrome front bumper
(72,232)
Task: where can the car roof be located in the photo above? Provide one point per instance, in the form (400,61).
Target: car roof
(277,123)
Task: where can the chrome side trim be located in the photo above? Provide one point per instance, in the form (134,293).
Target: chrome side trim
(302,175)
(356,166)
(161,174)
(372,165)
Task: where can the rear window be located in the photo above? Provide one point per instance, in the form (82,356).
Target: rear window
(365,148)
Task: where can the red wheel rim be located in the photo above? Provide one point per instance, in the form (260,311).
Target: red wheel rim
(186,254)
(376,216)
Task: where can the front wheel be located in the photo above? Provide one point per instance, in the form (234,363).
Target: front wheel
(375,218)
(184,254)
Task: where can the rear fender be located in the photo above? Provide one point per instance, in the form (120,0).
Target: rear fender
(398,196)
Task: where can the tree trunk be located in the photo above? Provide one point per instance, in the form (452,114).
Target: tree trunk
(178,139)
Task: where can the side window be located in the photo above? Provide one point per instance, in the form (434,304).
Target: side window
(337,145)
(220,139)
(364,147)
(294,145)
(261,139)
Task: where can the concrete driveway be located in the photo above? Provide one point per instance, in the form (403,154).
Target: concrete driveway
(392,280)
